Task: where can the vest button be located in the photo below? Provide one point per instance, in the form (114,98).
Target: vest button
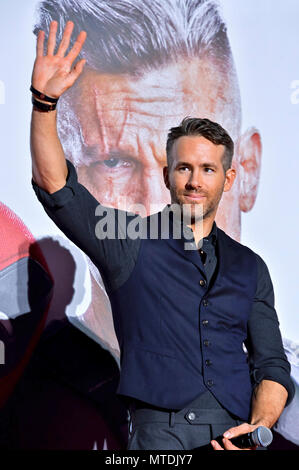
(205,322)
(205,302)
(208,362)
(202,282)
(191,416)
(206,342)
(210,383)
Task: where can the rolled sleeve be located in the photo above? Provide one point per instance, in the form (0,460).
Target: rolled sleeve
(267,359)
(72,208)
(74,211)
(61,197)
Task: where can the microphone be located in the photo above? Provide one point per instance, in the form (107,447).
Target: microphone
(261,436)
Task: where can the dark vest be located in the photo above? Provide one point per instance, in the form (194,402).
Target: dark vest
(179,338)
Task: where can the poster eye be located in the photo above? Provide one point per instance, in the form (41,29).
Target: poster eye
(115,162)
(111,162)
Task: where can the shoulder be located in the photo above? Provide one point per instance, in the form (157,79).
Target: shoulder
(241,248)
(237,245)
(234,243)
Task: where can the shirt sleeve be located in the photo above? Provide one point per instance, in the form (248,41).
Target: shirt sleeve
(99,231)
(267,359)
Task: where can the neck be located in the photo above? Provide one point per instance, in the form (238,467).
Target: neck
(202,228)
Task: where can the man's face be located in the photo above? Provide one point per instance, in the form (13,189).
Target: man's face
(125,122)
(196,175)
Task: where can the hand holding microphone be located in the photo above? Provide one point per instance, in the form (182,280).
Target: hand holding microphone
(260,436)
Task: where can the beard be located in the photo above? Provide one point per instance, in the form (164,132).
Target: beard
(197,211)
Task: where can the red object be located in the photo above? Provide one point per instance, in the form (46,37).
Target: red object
(16,243)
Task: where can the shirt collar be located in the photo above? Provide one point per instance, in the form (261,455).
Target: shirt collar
(212,237)
(175,217)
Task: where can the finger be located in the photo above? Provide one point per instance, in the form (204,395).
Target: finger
(238,430)
(65,41)
(52,37)
(216,446)
(76,71)
(75,50)
(40,44)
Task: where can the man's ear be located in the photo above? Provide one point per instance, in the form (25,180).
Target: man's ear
(249,151)
(165,176)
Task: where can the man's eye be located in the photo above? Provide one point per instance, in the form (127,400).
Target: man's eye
(183,168)
(116,162)
(208,170)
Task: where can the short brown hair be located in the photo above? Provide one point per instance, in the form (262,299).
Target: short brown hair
(205,128)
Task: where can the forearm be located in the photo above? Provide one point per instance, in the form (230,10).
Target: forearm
(52,75)
(268,401)
(49,169)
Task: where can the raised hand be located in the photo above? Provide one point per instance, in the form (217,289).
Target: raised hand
(54,74)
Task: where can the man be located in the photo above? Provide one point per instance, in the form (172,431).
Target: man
(113,122)
(163,321)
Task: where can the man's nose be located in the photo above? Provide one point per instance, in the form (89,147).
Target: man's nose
(154,194)
(194,181)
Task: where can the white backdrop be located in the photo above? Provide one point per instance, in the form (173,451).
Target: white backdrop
(264,37)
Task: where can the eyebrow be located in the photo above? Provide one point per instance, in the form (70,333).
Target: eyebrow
(203,165)
(93,152)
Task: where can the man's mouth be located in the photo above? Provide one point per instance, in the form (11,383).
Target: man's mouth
(194,197)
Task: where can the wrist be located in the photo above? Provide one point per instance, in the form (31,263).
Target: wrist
(261,422)
(42,105)
(41,102)
(42,96)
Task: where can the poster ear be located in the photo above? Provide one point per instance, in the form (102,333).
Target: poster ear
(249,149)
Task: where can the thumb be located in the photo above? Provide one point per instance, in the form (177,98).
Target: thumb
(238,430)
(77,70)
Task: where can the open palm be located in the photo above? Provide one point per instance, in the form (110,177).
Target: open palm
(54,74)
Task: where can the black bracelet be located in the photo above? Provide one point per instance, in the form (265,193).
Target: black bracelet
(42,96)
(43,106)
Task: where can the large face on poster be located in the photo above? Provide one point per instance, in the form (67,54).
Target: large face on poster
(156,65)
